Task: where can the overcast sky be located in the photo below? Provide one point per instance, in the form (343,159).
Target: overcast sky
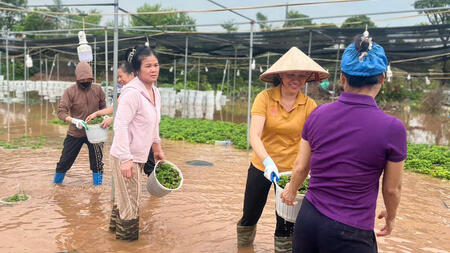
(319,10)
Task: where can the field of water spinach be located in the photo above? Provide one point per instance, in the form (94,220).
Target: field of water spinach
(33,142)
(429,159)
(425,159)
(203,131)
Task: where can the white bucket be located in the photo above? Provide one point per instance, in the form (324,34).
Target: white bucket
(157,189)
(286,212)
(96,133)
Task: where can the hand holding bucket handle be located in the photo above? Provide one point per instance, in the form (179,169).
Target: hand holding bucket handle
(158,154)
(79,123)
(107,121)
(271,171)
(288,196)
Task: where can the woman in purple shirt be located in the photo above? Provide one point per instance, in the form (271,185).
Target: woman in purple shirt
(346,146)
(136,129)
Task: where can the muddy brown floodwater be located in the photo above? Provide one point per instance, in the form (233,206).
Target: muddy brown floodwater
(200,217)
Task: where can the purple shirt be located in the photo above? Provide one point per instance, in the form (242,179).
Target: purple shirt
(351,140)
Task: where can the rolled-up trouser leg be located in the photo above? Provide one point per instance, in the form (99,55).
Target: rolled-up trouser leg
(113,220)
(127,195)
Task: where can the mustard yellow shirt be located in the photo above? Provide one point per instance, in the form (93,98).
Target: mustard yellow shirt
(282,130)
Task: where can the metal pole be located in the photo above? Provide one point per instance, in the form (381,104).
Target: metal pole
(1,62)
(115,55)
(250,58)
(106,60)
(46,69)
(198,75)
(309,54)
(185,67)
(115,62)
(13,68)
(57,67)
(7,78)
(234,84)
(174,71)
(95,59)
(40,66)
(25,82)
(228,78)
(335,70)
(234,74)
(267,66)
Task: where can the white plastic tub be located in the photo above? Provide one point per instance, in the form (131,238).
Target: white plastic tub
(96,134)
(286,212)
(157,189)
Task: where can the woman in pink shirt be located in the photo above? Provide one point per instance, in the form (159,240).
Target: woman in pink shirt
(136,129)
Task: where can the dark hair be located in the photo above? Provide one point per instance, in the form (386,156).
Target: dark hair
(276,80)
(137,54)
(361,81)
(126,67)
(361,46)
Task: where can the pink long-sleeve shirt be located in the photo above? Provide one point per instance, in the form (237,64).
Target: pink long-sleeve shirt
(136,124)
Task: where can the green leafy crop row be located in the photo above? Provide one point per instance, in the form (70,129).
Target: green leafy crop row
(203,131)
(33,142)
(429,159)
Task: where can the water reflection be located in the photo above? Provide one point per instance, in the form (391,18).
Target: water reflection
(17,120)
(425,128)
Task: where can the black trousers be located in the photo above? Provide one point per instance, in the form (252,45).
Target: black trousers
(256,191)
(150,164)
(316,233)
(72,147)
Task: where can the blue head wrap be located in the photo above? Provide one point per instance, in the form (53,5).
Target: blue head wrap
(374,63)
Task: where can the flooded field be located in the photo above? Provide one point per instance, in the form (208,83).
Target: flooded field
(201,217)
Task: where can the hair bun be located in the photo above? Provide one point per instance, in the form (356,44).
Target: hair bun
(130,54)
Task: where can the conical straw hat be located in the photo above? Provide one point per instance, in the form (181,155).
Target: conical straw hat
(295,60)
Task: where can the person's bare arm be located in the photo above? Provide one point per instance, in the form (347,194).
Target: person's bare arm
(392,185)
(299,173)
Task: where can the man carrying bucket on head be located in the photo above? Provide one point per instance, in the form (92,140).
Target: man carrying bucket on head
(77,102)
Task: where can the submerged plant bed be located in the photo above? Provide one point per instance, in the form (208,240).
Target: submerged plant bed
(59,122)
(33,142)
(18,197)
(203,131)
(168,176)
(284,179)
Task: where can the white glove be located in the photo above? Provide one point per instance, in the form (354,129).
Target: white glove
(78,123)
(271,171)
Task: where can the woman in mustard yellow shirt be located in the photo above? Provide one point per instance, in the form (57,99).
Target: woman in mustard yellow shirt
(277,119)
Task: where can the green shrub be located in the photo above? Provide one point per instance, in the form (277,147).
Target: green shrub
(441,173)
(429,159)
